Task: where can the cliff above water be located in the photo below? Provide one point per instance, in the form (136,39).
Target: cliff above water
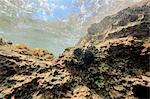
(111,62)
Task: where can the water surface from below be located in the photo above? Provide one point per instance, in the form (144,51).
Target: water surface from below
(53,24)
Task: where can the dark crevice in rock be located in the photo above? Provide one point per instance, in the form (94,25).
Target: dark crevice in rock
(142,92)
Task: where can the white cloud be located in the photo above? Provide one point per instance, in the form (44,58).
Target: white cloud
(137,0)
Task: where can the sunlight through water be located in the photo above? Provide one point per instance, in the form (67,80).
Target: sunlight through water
(53,24)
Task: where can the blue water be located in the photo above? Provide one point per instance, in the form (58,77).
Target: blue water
(53,24)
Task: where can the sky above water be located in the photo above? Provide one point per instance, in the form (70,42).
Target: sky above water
(60,9)
(57,9)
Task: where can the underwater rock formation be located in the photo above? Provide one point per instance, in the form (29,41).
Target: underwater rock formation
(111,62)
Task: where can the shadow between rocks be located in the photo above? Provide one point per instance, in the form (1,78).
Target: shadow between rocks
(106,73)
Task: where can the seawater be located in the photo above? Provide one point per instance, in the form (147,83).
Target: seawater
(53,25)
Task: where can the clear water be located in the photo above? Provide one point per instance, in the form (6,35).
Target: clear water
(53,24)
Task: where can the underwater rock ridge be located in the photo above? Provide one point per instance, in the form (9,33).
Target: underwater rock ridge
(110,62)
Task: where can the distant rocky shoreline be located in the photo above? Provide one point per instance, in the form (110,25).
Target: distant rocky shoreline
(110,62)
